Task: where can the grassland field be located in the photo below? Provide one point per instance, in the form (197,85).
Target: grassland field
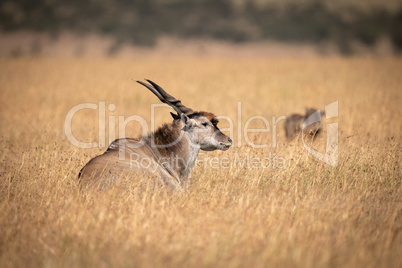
(304,213)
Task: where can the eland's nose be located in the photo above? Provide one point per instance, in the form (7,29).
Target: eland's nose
(230,141)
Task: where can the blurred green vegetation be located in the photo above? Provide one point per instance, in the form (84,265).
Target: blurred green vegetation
(141,22)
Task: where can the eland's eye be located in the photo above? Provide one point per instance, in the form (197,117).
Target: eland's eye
(205,124)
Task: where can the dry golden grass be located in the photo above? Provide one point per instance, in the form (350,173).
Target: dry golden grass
(308,214)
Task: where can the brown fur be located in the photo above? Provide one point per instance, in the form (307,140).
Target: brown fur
(210,116)
(166,134)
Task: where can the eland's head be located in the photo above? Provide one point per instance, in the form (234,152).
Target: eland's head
(202,131)
(201,128)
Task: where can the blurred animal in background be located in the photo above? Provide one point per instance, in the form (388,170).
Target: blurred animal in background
(310,123)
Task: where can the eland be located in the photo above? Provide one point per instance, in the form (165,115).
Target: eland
(297,123)
(167,155)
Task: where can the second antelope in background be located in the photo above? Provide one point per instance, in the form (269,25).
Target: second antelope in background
(294,123)
(167,155)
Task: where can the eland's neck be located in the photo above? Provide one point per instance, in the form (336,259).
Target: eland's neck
(171,148)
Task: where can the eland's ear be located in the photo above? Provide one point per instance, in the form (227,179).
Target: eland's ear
(186,121)
(175,116)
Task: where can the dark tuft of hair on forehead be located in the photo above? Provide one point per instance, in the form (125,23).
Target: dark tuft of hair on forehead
(210,116)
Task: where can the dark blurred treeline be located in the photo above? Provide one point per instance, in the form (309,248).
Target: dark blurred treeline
(142,21)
